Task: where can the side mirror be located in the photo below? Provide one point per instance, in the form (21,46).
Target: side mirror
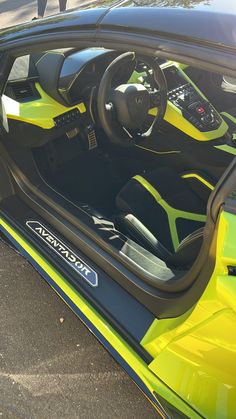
(4,128)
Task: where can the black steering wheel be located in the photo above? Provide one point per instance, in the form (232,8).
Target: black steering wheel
(124,110)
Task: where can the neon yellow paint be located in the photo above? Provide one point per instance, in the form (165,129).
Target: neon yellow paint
(174,117)
(172,213)
(113,338)
(227,149)
(180,66)
(39,112)
(137,77)
(195,354)
(158,152)
(230,117)
(198,177)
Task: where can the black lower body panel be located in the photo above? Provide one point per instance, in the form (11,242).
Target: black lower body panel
(129,317)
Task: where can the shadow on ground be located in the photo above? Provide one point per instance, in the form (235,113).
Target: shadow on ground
(12,5)
(13,12)
(53,370)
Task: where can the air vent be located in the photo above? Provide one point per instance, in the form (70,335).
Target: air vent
(24,91)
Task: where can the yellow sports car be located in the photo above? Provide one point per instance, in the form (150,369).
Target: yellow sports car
(118,179)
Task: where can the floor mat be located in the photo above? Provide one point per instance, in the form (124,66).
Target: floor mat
(95,179)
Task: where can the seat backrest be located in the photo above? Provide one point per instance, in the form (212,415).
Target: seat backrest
(164,204)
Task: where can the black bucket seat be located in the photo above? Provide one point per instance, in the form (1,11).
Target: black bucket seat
(159,211)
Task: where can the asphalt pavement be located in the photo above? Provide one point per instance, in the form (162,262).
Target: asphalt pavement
(18,11)
(51,366)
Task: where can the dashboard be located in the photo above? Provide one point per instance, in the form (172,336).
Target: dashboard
(83,70)
(188,109)
(194,106)
(54,90)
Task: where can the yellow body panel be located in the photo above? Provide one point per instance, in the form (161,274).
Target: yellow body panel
(195,354)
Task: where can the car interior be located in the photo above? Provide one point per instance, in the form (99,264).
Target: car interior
(135,143)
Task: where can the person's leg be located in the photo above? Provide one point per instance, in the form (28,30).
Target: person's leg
(41,7)
(62,5)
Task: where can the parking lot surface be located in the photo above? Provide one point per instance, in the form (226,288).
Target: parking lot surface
(50,369)
(18,11)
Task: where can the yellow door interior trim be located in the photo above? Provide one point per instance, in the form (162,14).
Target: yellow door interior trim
(39,112)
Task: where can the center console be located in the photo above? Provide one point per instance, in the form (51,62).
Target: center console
(193,106)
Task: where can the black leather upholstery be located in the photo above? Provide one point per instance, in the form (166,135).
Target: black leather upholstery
(136,230)
(188,249)
(145,216)
(230,118)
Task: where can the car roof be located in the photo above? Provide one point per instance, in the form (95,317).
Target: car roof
(204,21)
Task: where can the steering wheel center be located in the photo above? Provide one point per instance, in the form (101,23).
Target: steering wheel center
(123,110)
(131,103)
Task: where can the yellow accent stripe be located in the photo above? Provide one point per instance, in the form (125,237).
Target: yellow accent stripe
(230,117)
(227,149)
(200,178)
(233,119)
(39,112)
(174,117)
(158,152)
(172,213)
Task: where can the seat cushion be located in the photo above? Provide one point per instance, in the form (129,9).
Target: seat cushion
(185,254)
(137,231)
(162,201)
